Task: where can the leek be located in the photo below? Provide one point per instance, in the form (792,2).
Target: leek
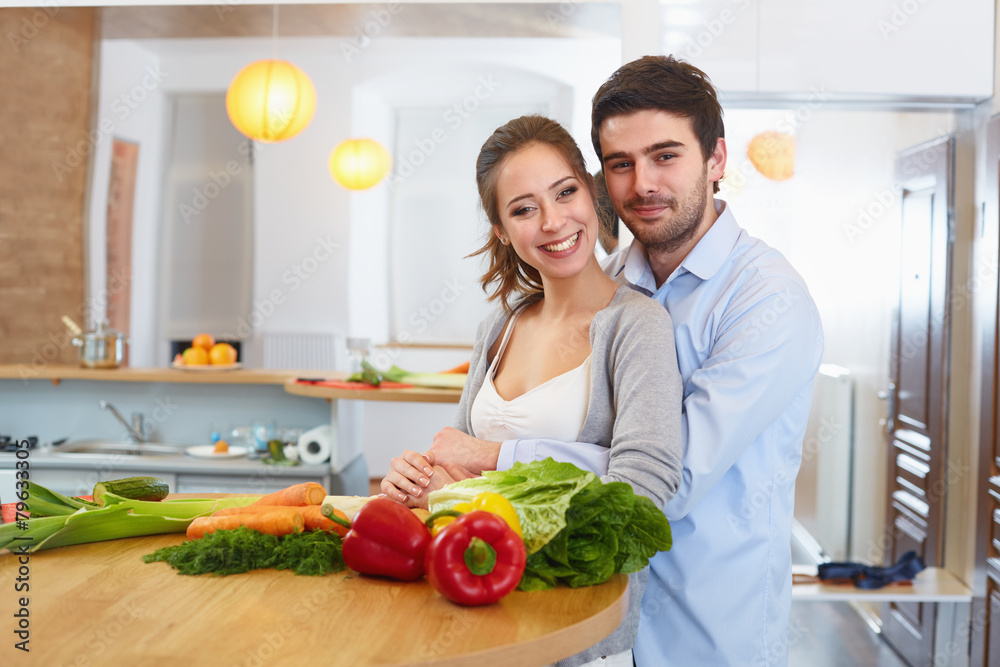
(435,380)
(64,524)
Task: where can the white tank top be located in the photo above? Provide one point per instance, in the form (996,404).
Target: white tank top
(555,409)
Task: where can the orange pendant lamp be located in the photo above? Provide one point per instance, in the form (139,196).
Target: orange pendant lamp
(271,100)
(358,164)
(773,155)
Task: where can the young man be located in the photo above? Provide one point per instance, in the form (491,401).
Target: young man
(749,342)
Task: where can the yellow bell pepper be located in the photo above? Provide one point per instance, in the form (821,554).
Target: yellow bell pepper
(497,504)
(487,501)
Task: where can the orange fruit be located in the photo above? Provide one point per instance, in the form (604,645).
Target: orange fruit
(222,354)
(204,341)
(195,356)
(221,447)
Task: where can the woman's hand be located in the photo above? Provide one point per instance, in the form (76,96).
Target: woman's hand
(409,475)
(453,446)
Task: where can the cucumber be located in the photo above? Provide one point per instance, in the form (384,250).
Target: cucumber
(133,488)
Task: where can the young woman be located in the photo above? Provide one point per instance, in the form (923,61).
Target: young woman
(568,356)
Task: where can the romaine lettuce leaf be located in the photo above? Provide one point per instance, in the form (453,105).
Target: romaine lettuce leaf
(540,492)
(578,530)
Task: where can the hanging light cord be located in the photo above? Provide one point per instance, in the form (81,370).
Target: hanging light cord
(274,34)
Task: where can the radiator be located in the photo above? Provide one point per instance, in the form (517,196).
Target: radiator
(823,485)
(302,351)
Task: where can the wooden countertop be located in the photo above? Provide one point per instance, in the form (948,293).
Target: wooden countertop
(101,604)
(414,394)
(260,376)
(238,376)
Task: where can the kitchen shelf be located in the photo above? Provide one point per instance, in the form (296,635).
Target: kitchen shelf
(409,395)
(932,584)
(239,376)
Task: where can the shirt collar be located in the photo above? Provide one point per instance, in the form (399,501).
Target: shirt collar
(703,261)
(708,255)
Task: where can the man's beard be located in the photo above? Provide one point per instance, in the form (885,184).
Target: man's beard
(685,217)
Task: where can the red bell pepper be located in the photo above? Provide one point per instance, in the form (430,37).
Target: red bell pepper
(386,539)
(476,559)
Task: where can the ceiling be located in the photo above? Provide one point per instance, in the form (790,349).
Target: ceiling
(561,20)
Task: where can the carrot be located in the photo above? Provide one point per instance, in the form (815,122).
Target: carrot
(316,520)
(271,523)
(259,509)
(307,493)
(461,368)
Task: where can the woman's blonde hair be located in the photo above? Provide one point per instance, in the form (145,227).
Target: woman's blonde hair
(512,275)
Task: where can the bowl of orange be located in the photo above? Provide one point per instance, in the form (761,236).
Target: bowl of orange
(205,354)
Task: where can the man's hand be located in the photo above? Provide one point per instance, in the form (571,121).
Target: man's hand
(453,446)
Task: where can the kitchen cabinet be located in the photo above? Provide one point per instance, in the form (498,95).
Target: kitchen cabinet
(856,50)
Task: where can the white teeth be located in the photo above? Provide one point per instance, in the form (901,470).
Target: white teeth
(565,245)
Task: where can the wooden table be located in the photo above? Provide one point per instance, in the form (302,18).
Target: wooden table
(100,604)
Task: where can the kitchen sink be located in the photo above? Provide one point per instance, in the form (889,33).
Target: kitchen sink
(110,448)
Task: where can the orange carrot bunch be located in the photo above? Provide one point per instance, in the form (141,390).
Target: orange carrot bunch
(290,510)
(271,523)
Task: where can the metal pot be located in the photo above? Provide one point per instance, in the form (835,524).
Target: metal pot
(101,348)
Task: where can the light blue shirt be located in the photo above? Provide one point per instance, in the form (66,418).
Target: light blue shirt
(749,342)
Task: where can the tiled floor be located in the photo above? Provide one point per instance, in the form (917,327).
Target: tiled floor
(832,634)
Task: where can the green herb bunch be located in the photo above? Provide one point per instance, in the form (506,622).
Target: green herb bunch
(223,552)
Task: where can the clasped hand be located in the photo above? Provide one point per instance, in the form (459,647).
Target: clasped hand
(453,456)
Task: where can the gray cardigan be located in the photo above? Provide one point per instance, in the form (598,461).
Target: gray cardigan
(634,410)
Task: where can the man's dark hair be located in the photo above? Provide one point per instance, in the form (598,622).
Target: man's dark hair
(661,83)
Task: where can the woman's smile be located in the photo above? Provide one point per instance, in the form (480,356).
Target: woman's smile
(563,245)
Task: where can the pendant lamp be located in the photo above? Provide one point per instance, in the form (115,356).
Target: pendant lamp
(271,100)
(358,164)
(773,155)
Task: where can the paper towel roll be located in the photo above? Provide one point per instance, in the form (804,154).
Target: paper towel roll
(316,446)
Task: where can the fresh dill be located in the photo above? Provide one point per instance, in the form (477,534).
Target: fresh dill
(225,552)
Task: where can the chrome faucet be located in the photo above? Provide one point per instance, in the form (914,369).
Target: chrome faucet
(135,430)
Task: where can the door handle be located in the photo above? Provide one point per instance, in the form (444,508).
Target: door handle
(889,394)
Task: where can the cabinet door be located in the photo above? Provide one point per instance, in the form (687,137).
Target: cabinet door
(878,47)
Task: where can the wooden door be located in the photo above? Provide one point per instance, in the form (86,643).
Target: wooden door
(986,587)
(917,425)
